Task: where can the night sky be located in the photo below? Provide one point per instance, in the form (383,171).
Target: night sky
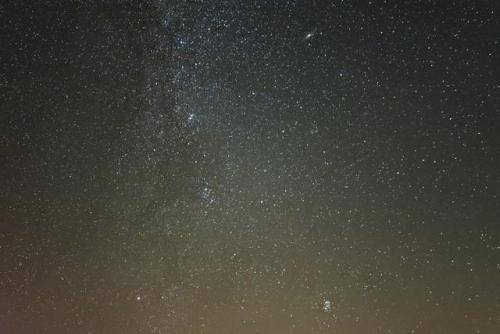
(249,167)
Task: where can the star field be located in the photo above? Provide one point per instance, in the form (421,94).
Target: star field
(250,167)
